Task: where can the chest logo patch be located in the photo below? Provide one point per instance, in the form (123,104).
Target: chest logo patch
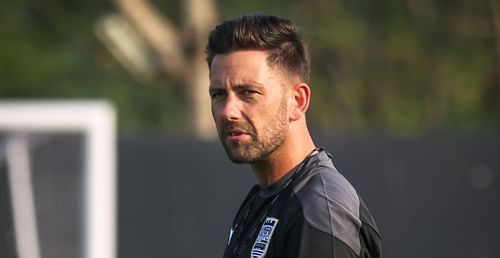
(261,244)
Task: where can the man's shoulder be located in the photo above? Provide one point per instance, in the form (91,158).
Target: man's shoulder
(329,202)
(322,185)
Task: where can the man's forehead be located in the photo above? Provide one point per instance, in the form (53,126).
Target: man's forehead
(244,65)
(245,68)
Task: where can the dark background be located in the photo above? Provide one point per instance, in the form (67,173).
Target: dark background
(431,196)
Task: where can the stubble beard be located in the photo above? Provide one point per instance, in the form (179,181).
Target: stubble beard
(262,144)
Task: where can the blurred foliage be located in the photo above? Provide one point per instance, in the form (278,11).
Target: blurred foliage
(396,67)
(48,49)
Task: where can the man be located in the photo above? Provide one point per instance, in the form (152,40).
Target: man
(302,207)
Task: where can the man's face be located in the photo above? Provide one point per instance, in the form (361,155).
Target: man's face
(249,105)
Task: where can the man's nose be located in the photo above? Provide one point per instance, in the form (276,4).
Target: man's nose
(231,109)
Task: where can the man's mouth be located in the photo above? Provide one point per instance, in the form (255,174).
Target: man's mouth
(236,135)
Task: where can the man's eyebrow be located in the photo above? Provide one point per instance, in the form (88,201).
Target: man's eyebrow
(253,85)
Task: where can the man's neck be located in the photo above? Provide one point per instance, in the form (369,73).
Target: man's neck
(281,162)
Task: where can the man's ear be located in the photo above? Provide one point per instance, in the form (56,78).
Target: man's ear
(300,98)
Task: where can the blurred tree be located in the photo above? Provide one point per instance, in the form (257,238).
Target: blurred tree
(48,50)
(398,67)
(402,67)
(180,57)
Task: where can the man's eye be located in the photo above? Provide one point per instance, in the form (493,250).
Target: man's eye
(247,92)
(217,94)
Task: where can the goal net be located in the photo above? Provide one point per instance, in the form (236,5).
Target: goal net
(57,179)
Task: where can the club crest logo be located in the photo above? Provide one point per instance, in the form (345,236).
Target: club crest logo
(261,244)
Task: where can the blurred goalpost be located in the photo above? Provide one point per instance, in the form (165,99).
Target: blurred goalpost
(95,124)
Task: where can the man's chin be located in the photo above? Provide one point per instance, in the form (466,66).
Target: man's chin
(237,155)
(238,158)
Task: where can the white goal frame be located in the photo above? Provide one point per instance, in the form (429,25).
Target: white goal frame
(96,121)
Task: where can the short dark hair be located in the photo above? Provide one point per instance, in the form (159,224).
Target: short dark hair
(278,36)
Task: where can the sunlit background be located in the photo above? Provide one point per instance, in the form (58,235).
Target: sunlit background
(397,67)
(405,93)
